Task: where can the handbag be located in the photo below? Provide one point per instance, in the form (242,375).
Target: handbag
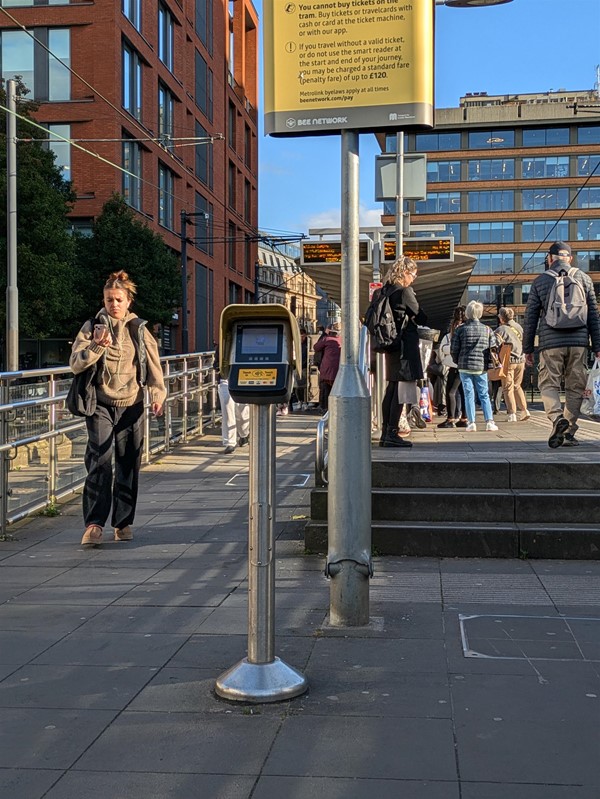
(81,399)
(591,395)
(500,362)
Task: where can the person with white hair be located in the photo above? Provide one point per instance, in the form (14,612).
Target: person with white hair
(470,346)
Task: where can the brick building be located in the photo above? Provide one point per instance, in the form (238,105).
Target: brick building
(506,175)
(156,75)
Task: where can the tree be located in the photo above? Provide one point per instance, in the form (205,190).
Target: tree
(48,303)
(120,241)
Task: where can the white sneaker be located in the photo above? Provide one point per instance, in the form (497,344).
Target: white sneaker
(471,428)
(491,426)
(512,417)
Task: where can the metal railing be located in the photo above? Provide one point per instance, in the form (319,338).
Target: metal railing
(321,449)
(42,445)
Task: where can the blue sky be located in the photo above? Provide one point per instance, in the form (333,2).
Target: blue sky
(523,46)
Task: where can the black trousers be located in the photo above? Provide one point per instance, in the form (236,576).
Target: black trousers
(121,430)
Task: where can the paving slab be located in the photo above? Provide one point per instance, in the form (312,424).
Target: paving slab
(26,783)
(340,788)
(96,785)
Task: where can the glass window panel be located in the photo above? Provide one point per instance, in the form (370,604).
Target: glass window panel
(480,201)
(544,198)
(439,203)
(204,162)
(550,167)
(541,230)
(492,169)
(588,165)
(491,139)
(132,9)
(61,149)
(525,289)
(487,232)
(588,229)
(204,225)
(17,57)
(59,77)
(588,135)
(589,198)
(539,137)
(532,262)
(165,37)
(453,230)
(443,171)
(588,261)
(165,196)
(430,141)
(132,185)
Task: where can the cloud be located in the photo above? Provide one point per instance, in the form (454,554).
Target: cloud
(331,218)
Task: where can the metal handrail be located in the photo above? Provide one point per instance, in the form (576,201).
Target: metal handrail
(321,450)
(42,425)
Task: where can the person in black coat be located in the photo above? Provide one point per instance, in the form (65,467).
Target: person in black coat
(403,365)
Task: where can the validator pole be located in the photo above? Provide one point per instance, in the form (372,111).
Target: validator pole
(349,563)
(12,292)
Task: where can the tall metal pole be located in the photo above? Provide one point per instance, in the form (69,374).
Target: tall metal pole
(399,191)
(349,495)
(184,286)
(12,292)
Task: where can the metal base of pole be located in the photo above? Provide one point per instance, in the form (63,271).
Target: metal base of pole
(261,682)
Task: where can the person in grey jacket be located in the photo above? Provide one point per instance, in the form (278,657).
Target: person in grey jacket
(563,352)
(469,347)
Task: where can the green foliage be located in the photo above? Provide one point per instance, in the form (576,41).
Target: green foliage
(45,249)
(121,241)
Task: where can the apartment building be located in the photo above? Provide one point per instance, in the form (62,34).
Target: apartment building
(168,91)
(506,175)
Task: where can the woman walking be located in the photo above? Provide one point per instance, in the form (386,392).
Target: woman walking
(514,397)
(468,349)
(119,346)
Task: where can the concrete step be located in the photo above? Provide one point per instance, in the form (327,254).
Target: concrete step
(491,506)
(460,540)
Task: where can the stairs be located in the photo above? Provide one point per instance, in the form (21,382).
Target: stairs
(535,507)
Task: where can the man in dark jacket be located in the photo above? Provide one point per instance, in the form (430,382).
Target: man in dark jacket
(563,351)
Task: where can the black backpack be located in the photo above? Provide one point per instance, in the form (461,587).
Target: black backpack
(381,323)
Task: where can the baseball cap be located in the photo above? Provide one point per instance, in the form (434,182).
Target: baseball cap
(559,248)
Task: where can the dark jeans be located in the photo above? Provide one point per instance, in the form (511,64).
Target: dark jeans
(121,429)
(325,387)
(454,395)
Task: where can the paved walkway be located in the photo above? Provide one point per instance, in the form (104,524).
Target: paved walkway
(474,680)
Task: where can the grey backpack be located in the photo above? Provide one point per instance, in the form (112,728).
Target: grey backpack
(567,301)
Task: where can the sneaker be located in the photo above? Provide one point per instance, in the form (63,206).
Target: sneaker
(447,423)
(462,423)
(557,436)
(242,441)
(570,440)
(123,533)
(491,427)
(414,416)
(524,416)
(228,450)
(512,417)
(92,536)
(471,427)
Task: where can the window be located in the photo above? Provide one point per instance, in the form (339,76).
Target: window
(132,9)
(443,171)
(588,135)
(231,234)
(480,201)
(231,184)
(132,183)
(247,201)
(204,225)
(525,289)
(204,86)
(165,36)
(166,113)
(231,117)
(83,226)
(132,82)
(204,157)
(166,184)
(42,73)
(491,295)
(587,229)
(589,198)
(204,23)
(588,165)
(492,169)
(60,148)
(453,230)
(248,261)
(550,167)
(540,230)
(425,142)
(486,232)
(439,203)
(532,262)
(235,293)
(545,199)
(545,137)
(494,263)
(589,261)
(247,146)
(491,139)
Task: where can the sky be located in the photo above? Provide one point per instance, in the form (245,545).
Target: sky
(522,46)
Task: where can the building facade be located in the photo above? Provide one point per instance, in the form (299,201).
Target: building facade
(166,93)
(281,280)
(507,175)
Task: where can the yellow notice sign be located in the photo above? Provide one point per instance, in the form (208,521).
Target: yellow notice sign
(257,377)
(332,65)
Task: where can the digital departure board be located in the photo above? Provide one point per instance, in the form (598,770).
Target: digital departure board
(330,252)
(430,250)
